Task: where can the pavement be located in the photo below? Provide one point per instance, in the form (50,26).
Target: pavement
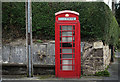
(113,70)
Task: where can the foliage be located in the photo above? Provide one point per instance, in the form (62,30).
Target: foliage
(103,73)
(97,20)
(39,41)
(13,20)
(117,14)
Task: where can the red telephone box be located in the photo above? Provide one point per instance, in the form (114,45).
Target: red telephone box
(67,44)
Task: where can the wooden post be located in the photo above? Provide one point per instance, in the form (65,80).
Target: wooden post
(29,38)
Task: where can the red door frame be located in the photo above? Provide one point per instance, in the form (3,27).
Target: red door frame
(77,72)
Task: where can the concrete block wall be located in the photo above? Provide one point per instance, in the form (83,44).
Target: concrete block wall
(43,54)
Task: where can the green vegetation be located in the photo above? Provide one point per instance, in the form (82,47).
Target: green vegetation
(13,20)
(103,73)
(97,20)
(117,15)
(119,50)
(118,46)
(107,67)
(39,41)
(117,12)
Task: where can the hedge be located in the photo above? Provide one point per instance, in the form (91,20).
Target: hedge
(117,14)
(96,19)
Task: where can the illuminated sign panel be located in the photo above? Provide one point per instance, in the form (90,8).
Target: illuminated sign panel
(64,18)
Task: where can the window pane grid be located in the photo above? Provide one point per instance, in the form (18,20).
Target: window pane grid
(67,44)
(67,53)
(67,30)
(68,59)
(67,48)
(67,64)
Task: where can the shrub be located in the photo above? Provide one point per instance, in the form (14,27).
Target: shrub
(96,19)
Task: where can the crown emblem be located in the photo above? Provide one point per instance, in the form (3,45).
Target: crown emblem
(66,15)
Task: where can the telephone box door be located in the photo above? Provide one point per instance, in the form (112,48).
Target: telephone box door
(67,58)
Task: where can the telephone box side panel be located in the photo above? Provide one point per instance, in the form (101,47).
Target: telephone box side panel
(79,52)
(80,46)
(56,50)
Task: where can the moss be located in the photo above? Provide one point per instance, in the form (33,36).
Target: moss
(104,73)
(107,67)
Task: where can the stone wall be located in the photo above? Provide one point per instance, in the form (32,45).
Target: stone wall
(43,54)
(14,58)
(95,57)
(107,55)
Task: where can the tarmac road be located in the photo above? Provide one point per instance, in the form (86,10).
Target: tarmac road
(59,81)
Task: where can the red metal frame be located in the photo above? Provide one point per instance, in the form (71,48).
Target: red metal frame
(75,70)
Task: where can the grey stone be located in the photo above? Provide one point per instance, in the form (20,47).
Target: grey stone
(18,54)
(5,53)
(98,44)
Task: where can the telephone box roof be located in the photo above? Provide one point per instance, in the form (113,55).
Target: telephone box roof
(66,11)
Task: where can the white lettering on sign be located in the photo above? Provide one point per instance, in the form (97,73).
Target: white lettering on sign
(64,18)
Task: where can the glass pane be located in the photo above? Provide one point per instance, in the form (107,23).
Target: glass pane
(73,44)
(73,55)
(73,67)
(60,67)
(73,33)
(60,27)
(66,39)
(60,56)
(73,61)
(67,56)
(73,27)
(60,33)
(67,27)
(66,33)
(60,51)
(66,67)
(66,44)
(60,61)
(66,61)
(66,50)
(60,39)
(73,39)
(73,50)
